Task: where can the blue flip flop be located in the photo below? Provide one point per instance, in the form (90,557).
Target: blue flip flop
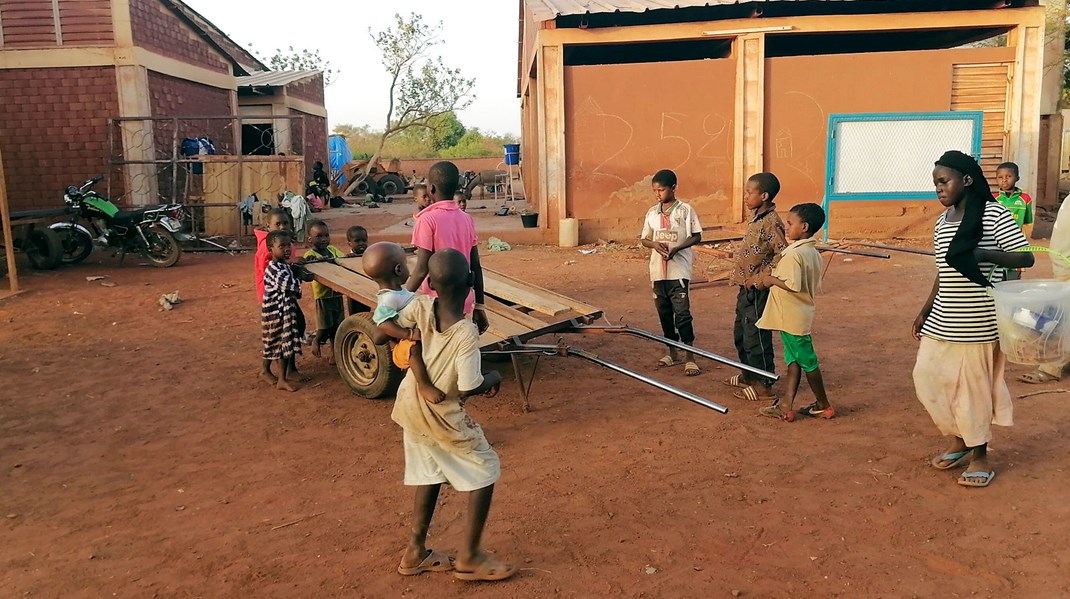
(986,475)
(957,458)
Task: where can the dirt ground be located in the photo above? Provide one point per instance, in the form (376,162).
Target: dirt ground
(140,457)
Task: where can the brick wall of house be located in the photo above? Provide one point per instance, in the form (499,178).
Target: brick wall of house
(315,137)
(310,90)
(54,130)
(157,28)
(169,96)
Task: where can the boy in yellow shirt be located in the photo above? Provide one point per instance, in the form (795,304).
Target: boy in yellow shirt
(329,311)
(790,310)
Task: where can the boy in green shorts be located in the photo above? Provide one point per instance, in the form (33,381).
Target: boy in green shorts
(790,310)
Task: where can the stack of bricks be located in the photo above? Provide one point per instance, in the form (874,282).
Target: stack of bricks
(54,121)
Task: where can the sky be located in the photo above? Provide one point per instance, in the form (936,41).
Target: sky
(478,36)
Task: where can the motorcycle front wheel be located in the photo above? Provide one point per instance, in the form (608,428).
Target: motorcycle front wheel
(163,250)
(77,245)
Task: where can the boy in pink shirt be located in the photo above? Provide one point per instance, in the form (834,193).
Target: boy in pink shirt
(444,225)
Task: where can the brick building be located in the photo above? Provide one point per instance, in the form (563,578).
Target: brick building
(68,67)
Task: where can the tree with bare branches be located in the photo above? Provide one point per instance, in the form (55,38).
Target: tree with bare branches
(422,89)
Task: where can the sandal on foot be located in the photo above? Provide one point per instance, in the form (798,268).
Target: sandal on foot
(813,410)
(986,477)
(490,569)
(749,394)
(957,458)
(734,381)
(692,369)
(667,361)
(1038,377)
(434,562)
(775,411)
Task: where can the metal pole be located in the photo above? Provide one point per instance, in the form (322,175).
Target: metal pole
(595,328)
(702,401)
(174,162)
(9,240)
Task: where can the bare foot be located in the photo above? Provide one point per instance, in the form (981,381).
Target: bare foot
(315,349)
(299,376)
(284,385)
(330,357)
(269,378)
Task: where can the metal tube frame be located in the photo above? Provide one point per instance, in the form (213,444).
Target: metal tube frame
(627,330)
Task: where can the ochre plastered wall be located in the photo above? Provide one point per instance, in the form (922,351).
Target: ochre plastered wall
(625,122)
(802,91)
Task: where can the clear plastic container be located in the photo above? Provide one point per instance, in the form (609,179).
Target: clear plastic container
(1034,320)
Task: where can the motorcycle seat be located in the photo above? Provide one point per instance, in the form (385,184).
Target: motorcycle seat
(129,218)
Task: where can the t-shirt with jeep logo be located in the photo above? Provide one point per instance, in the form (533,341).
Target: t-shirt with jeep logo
(671,225)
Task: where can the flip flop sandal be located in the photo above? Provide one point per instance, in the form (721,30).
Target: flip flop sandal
(692,369)
(734,381)
(666,362)
(489,570)
(965,481)
(957,458)
(749,394)
(776,412)
(1038,377)
(434,562)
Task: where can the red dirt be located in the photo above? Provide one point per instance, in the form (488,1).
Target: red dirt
(140,456)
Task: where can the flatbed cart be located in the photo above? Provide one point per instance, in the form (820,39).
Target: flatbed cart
(518,313)
(42,246)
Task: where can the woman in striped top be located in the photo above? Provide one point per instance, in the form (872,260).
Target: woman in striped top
(958,376)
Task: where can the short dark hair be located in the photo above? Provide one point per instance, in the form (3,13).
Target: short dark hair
(279,212)
(1009,166)
(445,177)
(276,236)
(811,214)
(422,186)
(320,225)
(767,183)
(354,231)
(664,177)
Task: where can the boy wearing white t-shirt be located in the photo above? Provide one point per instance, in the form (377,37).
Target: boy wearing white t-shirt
(670,228)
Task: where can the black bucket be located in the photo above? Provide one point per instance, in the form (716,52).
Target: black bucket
(530,220)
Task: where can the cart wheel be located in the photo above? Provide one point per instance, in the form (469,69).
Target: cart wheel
(44,248)
(368,369)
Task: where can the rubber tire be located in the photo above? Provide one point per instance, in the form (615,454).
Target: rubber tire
(43,248)
(172,256)
(391,185)
(76,244)
(354,334)
(366,186)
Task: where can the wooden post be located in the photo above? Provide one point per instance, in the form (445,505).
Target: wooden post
(750,114)
(9,240)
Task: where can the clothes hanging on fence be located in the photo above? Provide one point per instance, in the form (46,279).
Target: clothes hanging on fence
(246,208)
(300,212)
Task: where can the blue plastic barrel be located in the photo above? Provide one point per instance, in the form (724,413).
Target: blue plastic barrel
(512,154)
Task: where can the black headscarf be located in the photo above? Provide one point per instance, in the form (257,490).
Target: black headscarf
(960,252)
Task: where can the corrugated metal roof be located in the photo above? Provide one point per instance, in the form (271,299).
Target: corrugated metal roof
(274,78)
(544,10)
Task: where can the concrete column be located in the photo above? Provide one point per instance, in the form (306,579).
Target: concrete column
(140,180)
(1024,106)
(749,51)
(553,203)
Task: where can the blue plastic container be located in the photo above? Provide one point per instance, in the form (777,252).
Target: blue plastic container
(512,154)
